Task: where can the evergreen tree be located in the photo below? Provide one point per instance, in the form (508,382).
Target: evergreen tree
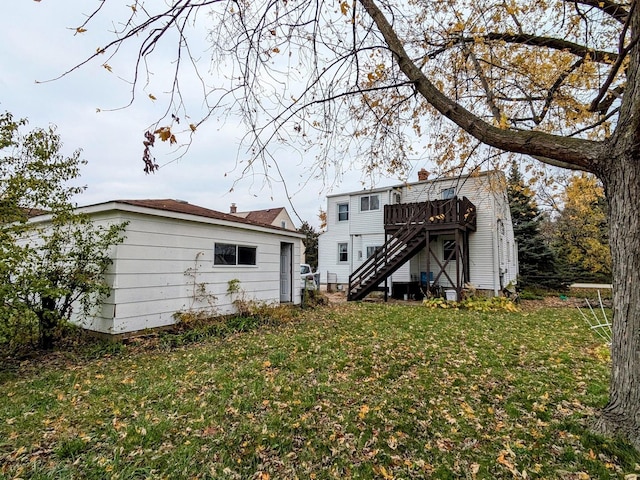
(310,244)
(537,264)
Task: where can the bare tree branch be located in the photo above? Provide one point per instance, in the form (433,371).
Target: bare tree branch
(581,153)
(611,8)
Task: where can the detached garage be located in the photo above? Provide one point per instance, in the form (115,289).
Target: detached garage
(178,256)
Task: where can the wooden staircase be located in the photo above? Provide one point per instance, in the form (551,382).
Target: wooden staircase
(398,249)
(412,226)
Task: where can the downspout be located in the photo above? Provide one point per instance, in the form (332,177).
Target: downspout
(499,223)
(352,252)
(494,253)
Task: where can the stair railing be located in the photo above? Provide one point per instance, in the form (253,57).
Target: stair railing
(387,253)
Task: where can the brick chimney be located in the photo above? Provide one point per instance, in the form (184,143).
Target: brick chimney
(233,208)
(423,175)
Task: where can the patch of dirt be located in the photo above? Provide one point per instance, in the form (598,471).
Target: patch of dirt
(564,301)
(556,302)
(335,297)
(550,302)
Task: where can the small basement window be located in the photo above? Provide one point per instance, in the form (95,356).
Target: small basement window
(450,252)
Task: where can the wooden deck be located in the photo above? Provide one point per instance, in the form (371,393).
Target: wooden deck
(453,213)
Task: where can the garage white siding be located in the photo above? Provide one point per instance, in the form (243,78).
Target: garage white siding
(166,255)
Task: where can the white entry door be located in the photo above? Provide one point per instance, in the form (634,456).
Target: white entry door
(286,277)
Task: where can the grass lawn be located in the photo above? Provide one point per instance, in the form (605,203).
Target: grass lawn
(348,391)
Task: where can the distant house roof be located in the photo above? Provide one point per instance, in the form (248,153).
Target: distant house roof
(267,216)
(34,212)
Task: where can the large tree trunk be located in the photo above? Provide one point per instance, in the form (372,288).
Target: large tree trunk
(621,416)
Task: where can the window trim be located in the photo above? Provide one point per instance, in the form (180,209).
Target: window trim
(447,193)
(373,249)
(346,252)
(237,247)
(444,249)
(369,197)
(343,204)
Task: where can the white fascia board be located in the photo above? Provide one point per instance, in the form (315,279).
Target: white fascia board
(125,207)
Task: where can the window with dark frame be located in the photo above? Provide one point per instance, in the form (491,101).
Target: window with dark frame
(343,212)
(369,202)
(371,250)
(246,255)
(343,252)
(232,254)
(224,254)
(449,250)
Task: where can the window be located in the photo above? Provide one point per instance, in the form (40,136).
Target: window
(370,202)
(343,212)
(449,250)
(447,193)
(283,224)
(371,250)
(230,254)
(343,252)
(246,255)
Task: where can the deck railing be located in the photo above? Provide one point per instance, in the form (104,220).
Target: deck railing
(453,212)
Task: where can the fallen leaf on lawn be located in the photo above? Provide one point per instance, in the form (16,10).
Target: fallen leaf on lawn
(364,409)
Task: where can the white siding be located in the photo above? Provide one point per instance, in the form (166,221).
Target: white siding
(149,276)
(101,319)
(337,232)
(492,258)
(151,282)
(363,229)
(487,193)
(368,221)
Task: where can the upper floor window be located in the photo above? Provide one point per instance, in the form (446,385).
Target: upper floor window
(447,193)
(343,212)
(369,202)
(283,224)
(231,254)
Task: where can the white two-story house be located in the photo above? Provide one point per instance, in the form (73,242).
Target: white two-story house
(430,236)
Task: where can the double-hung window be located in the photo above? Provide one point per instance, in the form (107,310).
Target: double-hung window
(232,254)
(343,212)
(369,202)
(343,252)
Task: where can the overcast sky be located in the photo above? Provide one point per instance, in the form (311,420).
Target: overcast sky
(37,43)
